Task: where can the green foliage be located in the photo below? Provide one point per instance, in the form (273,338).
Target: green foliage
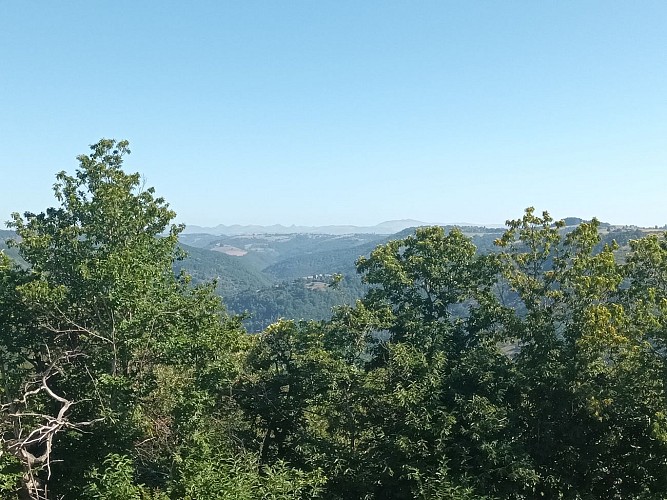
(116,481)
(241,477)
(11,474)
(440,372)
(536,370)
(303,299)
(233,275)
(90,329)
(285,374)
(589,371)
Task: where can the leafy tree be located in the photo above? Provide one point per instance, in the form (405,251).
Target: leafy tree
(536,371)
(287,375)
(591,378)
(413,390)
(111,363)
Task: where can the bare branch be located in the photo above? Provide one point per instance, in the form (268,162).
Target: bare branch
(33,446)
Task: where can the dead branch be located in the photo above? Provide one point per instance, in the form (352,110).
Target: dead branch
(33,446)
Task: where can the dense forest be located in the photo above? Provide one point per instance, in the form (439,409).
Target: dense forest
(278,276)
(535,368)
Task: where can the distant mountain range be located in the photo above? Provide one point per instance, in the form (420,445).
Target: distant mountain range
(385,228)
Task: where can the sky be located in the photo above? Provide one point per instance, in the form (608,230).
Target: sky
(344,112)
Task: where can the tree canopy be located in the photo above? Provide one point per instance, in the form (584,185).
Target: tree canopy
(536,370)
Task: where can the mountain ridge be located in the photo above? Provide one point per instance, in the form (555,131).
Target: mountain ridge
(383,228)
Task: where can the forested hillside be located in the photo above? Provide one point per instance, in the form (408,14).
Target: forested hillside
(122,379)
(232,275)
(268,276)
(312,298)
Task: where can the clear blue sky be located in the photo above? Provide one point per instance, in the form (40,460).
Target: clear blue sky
(314,112)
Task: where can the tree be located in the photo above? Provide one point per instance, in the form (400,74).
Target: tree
(535,371)
(592,379)
(419,399)
(96,324)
